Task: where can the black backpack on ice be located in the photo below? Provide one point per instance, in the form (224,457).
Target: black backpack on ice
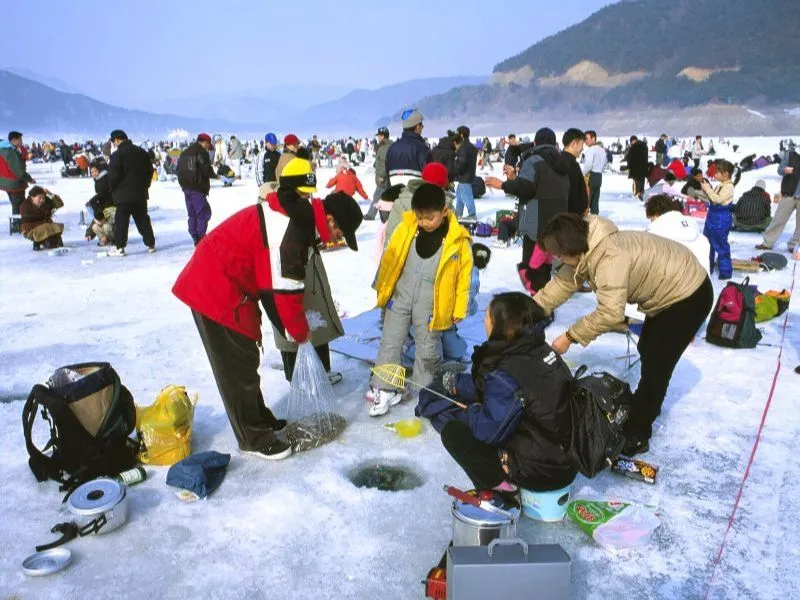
(90,415)
(599,405)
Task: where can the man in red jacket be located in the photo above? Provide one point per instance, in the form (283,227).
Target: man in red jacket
(259,255)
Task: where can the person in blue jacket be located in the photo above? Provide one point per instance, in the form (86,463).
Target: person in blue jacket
(407,157)
(517,397)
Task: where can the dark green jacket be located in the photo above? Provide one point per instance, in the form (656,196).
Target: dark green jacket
(13,174)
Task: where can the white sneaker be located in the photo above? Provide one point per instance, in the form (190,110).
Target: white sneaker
(499,244)
(116,252)
(383,400)
(151,249)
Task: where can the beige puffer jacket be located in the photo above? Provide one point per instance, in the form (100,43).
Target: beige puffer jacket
(623,266)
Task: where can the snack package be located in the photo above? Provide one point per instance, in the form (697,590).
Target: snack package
(590,514)
(635,469)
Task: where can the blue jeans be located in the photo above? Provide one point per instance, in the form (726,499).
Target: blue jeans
(464,197)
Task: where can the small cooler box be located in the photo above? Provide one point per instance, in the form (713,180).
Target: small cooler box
(508,568)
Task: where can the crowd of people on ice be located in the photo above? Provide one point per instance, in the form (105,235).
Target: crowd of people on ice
(512,418)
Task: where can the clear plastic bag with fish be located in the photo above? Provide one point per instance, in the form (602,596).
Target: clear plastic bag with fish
(311,405)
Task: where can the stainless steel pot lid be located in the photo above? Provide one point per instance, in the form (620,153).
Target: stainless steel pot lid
(96,497)
(474,515)
(46,562)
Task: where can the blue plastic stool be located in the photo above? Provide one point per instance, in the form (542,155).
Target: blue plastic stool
(545,506)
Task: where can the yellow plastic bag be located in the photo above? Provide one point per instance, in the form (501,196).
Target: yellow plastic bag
(165,427)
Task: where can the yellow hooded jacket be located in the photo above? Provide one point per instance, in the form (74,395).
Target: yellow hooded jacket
(453,275)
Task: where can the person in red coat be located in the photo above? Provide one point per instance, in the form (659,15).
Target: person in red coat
(259,255)
(348,182)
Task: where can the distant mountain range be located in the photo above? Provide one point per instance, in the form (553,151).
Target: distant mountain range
(36,106)
(640,54)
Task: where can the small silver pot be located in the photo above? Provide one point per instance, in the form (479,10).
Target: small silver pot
(99,506)
(473,526)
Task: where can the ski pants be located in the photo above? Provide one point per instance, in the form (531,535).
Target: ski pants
(199,211)
(718,224)
(412,306)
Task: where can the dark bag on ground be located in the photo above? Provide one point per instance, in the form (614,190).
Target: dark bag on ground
(733,321)
(600,405)
(90,415)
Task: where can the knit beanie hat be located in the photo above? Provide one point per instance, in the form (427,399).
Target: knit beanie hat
(545,136)
(435,173)
(480,255)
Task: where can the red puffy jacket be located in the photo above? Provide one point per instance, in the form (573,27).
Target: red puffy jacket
(258,254)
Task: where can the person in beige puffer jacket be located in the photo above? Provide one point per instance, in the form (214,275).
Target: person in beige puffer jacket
(661,276)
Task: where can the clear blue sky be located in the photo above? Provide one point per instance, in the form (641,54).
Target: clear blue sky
(130,51)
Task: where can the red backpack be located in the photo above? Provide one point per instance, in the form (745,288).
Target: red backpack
(733,321)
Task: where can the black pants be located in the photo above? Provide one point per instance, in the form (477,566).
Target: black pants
(595,182)
(289,359)
(16,199)
(480,461)
(122,221)
(234,361)
(638,187)
(664,339)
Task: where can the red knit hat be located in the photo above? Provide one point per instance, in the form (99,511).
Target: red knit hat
(435,173)
(291,140)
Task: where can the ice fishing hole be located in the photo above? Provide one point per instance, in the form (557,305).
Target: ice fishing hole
(386,478)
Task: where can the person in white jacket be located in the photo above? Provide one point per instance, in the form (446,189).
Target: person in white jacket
(667,221)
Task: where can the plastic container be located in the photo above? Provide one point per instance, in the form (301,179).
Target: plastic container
(545,506)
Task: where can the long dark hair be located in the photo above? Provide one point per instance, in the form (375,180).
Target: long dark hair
(513,314)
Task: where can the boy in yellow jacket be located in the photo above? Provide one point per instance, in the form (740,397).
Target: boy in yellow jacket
(423,282)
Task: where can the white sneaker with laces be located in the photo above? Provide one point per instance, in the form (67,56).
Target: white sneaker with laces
(151,249)
(384,399)
(116,252)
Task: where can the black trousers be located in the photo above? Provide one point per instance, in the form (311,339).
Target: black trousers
(289,359)
(16,199)
(235,359)
(664,339)
(122,221)
(480,461)
(595,182)
(638,187)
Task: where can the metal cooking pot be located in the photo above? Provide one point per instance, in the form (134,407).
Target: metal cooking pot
(474,526)
(96,507)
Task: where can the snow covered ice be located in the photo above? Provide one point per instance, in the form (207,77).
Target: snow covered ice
(298,528)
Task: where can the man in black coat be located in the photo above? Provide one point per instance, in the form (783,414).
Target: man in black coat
(637,165)
(102,225)
(578,199)
(130,173)
(195,173)
(445,153)
(466,162)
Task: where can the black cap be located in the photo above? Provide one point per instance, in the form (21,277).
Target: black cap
(118,134)
(13,135)
(384,131)
(347,214)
